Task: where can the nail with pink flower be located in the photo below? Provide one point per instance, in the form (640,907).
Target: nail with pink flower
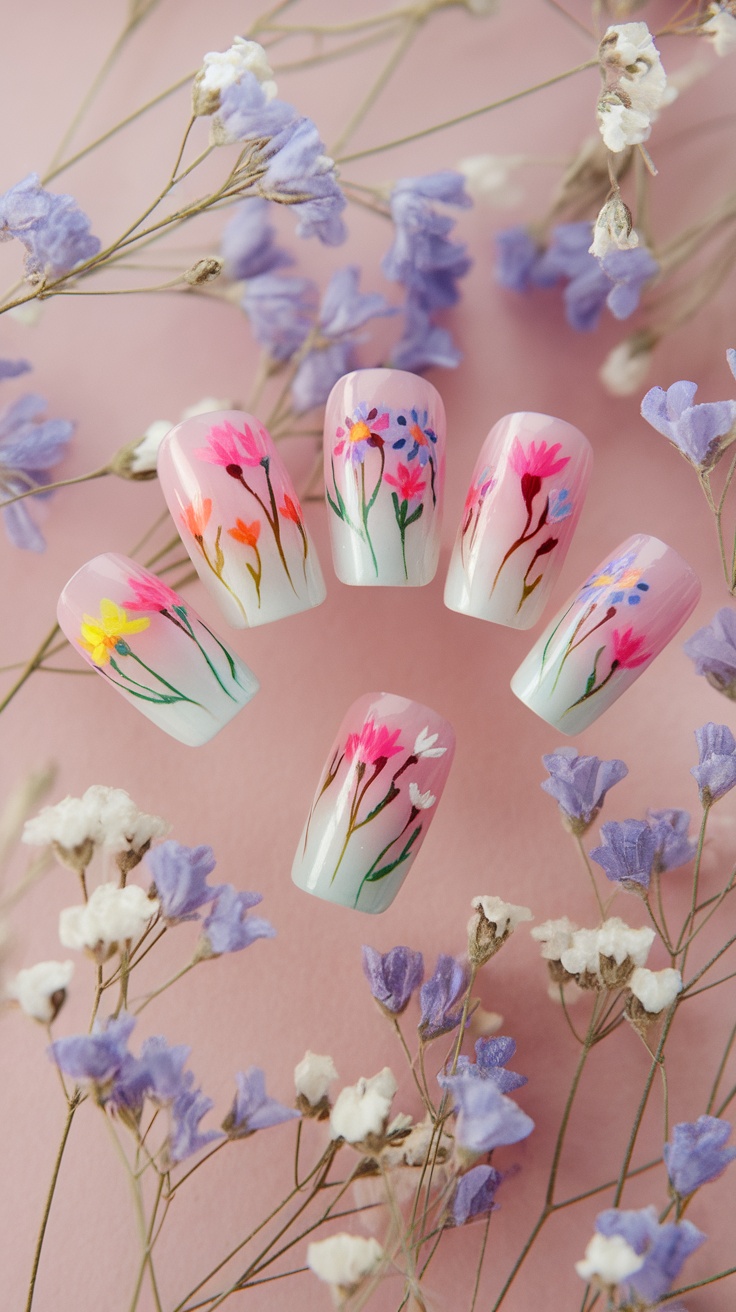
(240,519)
(379,790)
(609,632)
(373,496)
(518,520)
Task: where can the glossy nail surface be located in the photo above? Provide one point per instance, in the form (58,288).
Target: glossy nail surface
(379,789)
(234,504)
(524,501)
(608,633)
(384,477)
(148,643)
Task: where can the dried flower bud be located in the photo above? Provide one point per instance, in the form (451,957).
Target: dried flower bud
(625,367)
(223,68)
(40,991)
(205,270)
(344,1261)
(492,923)
(652,992)
(312,1078)
(613,229)
(361,1111)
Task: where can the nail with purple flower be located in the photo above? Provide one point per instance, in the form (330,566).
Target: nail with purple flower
(379,789)
(609,632)
(524,502)
(239,517)
(384,477)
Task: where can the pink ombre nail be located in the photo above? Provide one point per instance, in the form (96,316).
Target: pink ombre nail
(378,793)
(623,616)
(522,507)
(239,517)
(152,646)
(384,477)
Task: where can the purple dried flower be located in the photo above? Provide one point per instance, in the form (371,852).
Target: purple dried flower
(516,256)
(422,258)
(228,927)
(164,1065)
(487,1119)
(344,308)
(281,310)
(579,784)
(674,846)
(628,852)
(318,372)
(252,1108)
(715,773)
(246,113)
(491,1056)
(54,231)
(297,166)
(567,257)
(185,1136)
(180,879)
(713,650)
(29,448)
(393,976)
(441,998)
(628,270)
(423,344)
(666,1247)
(697,1153)
(475,1194)
(248,244)
(13,368)
(696,430)
(343,311)
(98,1056)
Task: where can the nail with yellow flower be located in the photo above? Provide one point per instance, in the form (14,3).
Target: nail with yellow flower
(100,637)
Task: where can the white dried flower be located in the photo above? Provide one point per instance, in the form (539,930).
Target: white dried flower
(111,918)
(609,1259)
(636,85)
(425,744)
(720,28)
(581,957)
(555,937)
(656,990)
(40,990)
(488,178)
(313,1077)
(344,1261)
(361,1110)
(138,459)
(490,925)
(625,367)
(619,941)
(483,1022)
(102,817)
(613,229)
(422,801)
(223,68)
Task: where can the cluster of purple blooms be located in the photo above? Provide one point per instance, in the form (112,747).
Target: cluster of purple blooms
(616,280)
(180,884)
(124,1083)
(486,1117)
(30,447)
(701,432)
(713,651)
(53,229)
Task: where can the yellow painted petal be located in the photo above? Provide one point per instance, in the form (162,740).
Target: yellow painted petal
(111,614)
(133,626)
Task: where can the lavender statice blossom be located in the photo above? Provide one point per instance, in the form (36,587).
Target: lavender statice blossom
(180,880)
(248,243)
(713,651)
(30,447)
(281,311)
(228,927)
(627,853)
(491,1056)
(700,432)
(343,312)
(441,998)
(393,976)
(14,368)
(715,773)
(664,1249)
(300,174)
(579,785)
(486,1118)
(53,229)
(517,254)
(423,344)
(697,1153)
(475,1194)
(674,846)
(98,1057)
(185,1137)
(252,1107)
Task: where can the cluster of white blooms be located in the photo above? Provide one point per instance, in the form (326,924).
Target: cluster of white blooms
(636,86)
(223,68)
(112,918)
(595,958)
(313,1076)
(102,817)
(40,990)
(344,1261)
(609,1259)
(720,28)
(361,1110)
(492,922)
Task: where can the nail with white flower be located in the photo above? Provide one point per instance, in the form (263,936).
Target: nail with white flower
(40,990)
(110,921)
(491,924)
(361,1111)
(382,780)
(344,1261)
(313,1076)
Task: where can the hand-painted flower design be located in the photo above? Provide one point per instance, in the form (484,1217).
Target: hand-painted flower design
(419,800)
(408,482)
(477,493)
(534,464)
(196,516)
(373,743)
(560,506)
(410,487)
(419,433)
(537,461)
(619,578)
(248,534)
(101,636)
(425,744)
(290,511)
(150,594)
(362,432)
(232,448)
(627,649)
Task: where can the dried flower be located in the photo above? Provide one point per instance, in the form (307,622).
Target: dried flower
(248,245)
(475,1194)
(491,1056)
(613,229)
(344,1262)
(30,447)
(674,846)
(626,366)
(185,1137)
(393,976)
(713,651)
(488,178)
(205,270)
(720,28)
(697,1153)
(493,922)
(224,68)
(608,1260)
(103,817)
(281,310)
(579,785)
(441,998)
(361,1111)
(715,773)
(663,1249)
(701,433)
(40,990)
(636,85)
(228,927)
(252,1108)
(654,990)
(487,1119)
(180,880)
(112,918)
(313,1076)
(627,854)
(54,231)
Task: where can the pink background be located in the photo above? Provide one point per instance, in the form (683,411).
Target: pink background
(115,364)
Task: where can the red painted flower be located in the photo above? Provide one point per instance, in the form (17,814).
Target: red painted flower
(196,516)
(151,594)
(228,446)
(409,481)
(627,652)
(539,462)
(246,533)
(290,511)
(372,743)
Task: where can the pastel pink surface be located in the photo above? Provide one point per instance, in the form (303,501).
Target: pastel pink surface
(117,363)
